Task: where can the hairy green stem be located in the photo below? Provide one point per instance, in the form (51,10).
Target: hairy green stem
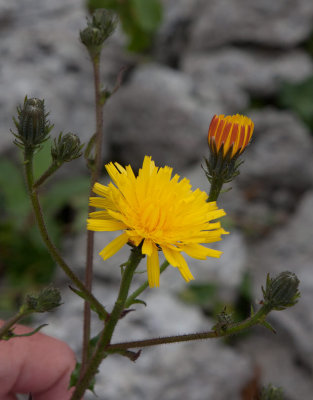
(53,167)
(90,234)
(215,189)
(232,329)
(107,332)
(10,322)
(143,287)
(28,157)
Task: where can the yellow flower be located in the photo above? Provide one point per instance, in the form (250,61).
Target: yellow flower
(233,132)
(158,211)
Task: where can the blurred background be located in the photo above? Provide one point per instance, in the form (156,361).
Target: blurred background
(206,57)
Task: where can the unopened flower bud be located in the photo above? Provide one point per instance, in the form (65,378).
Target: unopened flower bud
(224,320)
(281,292)
(48,299)
(32,125)
(227,138)
(271,393)
(66,148)
(101,26)
(229,135)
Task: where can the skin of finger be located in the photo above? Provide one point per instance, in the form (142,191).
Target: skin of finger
(39,364)
(8,397)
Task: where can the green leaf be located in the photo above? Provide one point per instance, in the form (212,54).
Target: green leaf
(13,335)
(66,191)
(298,97)
(138,301)
(200,294)
(268,326)
(24,259)
(92,5)
(148,13)
(13,192)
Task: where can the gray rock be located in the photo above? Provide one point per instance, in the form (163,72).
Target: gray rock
(289,248)
(236,71)
(266,23)
(173,34)
(156,114)
(195,371)
(279,155)
(277,362)
(43,57)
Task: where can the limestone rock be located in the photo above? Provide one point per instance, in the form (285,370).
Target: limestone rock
(265,23)
(236,71)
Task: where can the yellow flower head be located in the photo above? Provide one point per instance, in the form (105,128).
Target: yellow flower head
(160,212)
(232,132)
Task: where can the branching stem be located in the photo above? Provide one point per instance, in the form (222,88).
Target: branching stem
(28,162)
(232,329)
(105,338)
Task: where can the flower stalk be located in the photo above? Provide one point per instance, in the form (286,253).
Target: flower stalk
(105,338)
(98,30)
(43,178)
(133,297)
(232,329)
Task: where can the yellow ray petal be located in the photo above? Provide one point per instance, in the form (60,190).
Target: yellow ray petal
(99,189)
(170,255)
(153,269)
(183,268)
(114,246)
(196,250)
(102,225)
(147,247)
(214,253)
(100,215)
(177,260)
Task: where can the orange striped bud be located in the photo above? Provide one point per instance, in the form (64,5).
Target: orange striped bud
(230,134)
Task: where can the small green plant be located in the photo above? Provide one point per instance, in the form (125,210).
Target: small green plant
(153,211)
(298,98)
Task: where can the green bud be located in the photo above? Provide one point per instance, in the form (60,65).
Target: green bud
(48,299)
(32,125)
(66,148)
(99,29)
(271,393)
(281,292)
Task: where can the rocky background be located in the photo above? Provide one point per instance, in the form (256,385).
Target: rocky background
(208,57)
